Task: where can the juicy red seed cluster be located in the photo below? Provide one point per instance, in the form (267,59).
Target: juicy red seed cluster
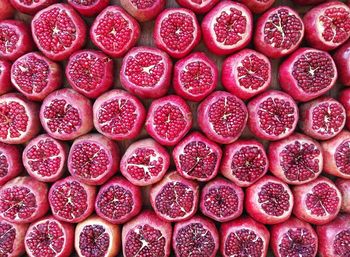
(298,242)
(13,119)
(327,118)
(4,165)
(85,2)
(94,240)
(8,39)
(341,243)
(143,4)
(197,77)
(342,157)
(274,199)
(336,24)
(244,242)
(7,238)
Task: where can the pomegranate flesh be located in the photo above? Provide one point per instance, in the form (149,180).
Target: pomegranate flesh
(344,99)
(31,7)
(10,162)
(199,7)
(5,77)
(143,10)
(258,6)
(341,59)
(89,8)
(12,238)
(344,187)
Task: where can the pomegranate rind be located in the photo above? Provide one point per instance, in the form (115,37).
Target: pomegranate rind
(5,76)
(308,2)
(344,187)
(341,58)
(31,7)
(143,14)
(10,161)
(18,241)
(344,99)
(95,7)
(7,10)
(258,6)
(198,8)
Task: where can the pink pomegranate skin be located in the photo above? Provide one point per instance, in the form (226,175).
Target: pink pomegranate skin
(244,162)
(12,241)
(146,72)
(146,228)
(222,117)
(308,2)
(271,44)
(6,10)
(336,154)
(143,10)
(10,162)
(341,58)
(20,121)
(126,34)
(293,238)
(221,200)
(70,23)
(194,237)
(307,74)
(90,72)
(44,158)
(227,28)
(344,99)
(118,115)
(35,76)
(333,237)
(198,7)
(166,36)
(65,114)
(145,162)
(327,25)
(89,8)
(253,238)
(246,73)
(15,34)
(322,118)
(317,202)
(5,76)
(344,187)
(31,7)
(23,200)
(258,6)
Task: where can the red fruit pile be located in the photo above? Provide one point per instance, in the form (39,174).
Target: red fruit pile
(187,128)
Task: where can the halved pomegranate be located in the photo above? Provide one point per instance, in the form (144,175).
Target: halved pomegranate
(31,7)
(45,158)
(145,162)
(23,200)
(222,117)
(273,115)
(90,72)
(143,10)
(244,162)
(10,162)
(5,75)
(118,201)
(198,6)
(279,32)
(341,58)
(227,28)
(195,77)
(71,200)
(344,187)
(90,7)
(174,198)
(258,6)
(114,31)
(49,237)
(269,200)
(176,31)
(195,237)
(196,157)
(169,119)
(222,200)
(244,237)
(146,72)
(12,238)
(344,99)
(58,31)
(317,202)
(118,115)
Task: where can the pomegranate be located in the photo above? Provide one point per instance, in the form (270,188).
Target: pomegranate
(244,162)
(258,6)
(294,238)
(146,235)
(227,28)
(10,162)
(45,158)
(66,114)
(327,25)
(176,31)
(5,74)
(221,200)
(90,72)
(246,73)
(49,237)
(296,159)
(143,10)
(269,200)
(344,99)
(322,118)
(198,6)
(195,77)
(145,162)
(334,237)
(97,237)
(23,200)
(19,119)
(195,237)
(118,115)
(6,10)
(174,198)
(196,157)
(307,74)
(35,76)
(114,31)
(93,159)
(12,235)
(118,201)
(58,31)
(168,120)
(71,201)
(308,2)
(244,237)
(341,58)
(222,117)
(279,32)
(317,202)
(336,154)
(89,8)
(31,7)
(273,115)
(344,187)
(146,72)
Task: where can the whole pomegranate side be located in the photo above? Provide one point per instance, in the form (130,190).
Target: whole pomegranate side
(12,238)
(308,2)
(6,9)
(344,187)
(5,77)
(143,10)
(258,6)
(10,162)
(344,99)
(89,8)
(31,7)
(199,7)
(341,58)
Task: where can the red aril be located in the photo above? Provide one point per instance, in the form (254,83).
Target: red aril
(6,9)
(31,7)
(12,237)
(143,10)
(89,7)
(5,77)
(258,6)
(344,187)
(10,162)
(341,58)
(344,99)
